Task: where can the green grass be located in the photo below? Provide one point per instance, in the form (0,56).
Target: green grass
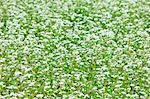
(74,49)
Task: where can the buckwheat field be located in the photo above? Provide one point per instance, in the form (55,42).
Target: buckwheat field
(74,49)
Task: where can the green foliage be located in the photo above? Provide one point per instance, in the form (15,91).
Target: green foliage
(74,49)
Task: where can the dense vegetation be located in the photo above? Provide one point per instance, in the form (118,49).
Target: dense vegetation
(74,49)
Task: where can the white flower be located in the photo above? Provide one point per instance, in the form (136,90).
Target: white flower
(1,83)
(139,63)
(123,93)
(27,69)
(20,94)
(2,60)
(12,94)
(31,83)
(146,68)
(12,87)
(118,85)
(1,24)
(77,76)
(143,93)
(78,58)
(132,85)
(17,73)
(39,95)
(47,87)
(107,33)
(61,83)
(109,15)
(148,62)
(28,75)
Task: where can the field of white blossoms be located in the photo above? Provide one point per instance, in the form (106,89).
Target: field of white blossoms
(74,49)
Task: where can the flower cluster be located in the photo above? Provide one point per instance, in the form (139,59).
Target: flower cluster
(74,49)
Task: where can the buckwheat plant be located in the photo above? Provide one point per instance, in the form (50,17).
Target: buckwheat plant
(86,49)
